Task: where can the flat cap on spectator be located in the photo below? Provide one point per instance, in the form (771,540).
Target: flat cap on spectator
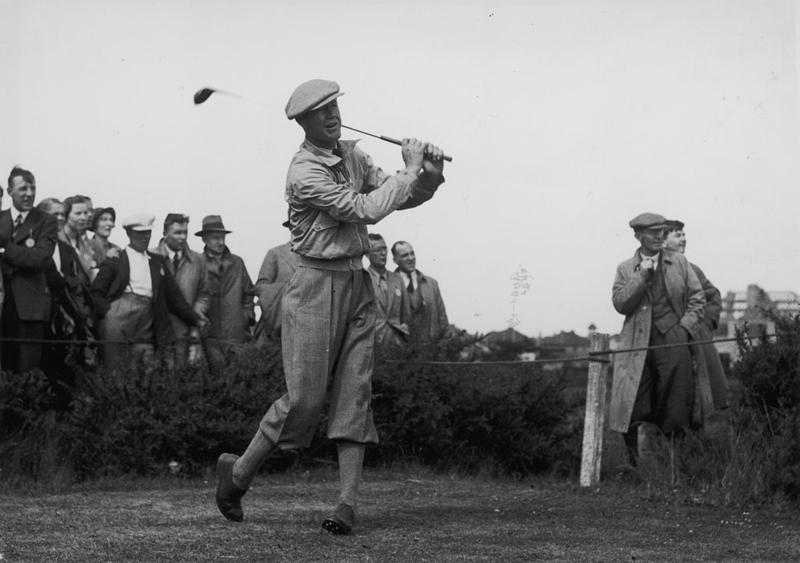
(97,213)
(310,96)
(675,225)
(212,224)
(139,222)
(648,221)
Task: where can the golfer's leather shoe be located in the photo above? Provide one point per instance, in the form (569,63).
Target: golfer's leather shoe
(341,521)
(229,496)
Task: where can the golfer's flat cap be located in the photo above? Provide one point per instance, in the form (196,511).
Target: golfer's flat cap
(139,222)
(310,96)
(648,221)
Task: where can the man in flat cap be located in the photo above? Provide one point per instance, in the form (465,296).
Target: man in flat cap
(134,295)
(231,314)
(662,300)
(334,191)
(712,391)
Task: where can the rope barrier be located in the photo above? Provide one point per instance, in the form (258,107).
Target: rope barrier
(598,357)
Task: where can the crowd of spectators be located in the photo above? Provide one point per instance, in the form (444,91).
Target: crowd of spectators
(72,299)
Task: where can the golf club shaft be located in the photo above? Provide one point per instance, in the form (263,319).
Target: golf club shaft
(387,139)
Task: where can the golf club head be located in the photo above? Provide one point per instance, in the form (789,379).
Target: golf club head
(202,95)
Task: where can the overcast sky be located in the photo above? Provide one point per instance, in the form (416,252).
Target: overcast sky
(565,119)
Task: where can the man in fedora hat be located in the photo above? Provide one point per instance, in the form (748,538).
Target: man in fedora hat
(134,295)
(328,327)
(231,313)
(662,300)
(277,269)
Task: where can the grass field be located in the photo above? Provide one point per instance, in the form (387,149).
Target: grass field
(404,516)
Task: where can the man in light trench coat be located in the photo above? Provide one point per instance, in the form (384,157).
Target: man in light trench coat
(663,302)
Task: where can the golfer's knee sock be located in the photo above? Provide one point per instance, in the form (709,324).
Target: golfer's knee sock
(351,460)
(247,466)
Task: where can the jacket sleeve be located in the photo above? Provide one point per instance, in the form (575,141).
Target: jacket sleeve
(202,302)
(102,284)
(713,297)
(443,322)
(265,285)
(695,302)
(312,183)
(37,258)
(248,294)
(629,289)
(176,303)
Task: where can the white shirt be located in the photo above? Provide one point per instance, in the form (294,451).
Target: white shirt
(16,213)
(140,281)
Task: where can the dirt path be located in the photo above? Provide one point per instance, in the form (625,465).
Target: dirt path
(403,517)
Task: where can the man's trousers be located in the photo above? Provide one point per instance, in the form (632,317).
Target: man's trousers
(328,339)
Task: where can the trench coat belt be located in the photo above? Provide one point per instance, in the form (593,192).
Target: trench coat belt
(345,264)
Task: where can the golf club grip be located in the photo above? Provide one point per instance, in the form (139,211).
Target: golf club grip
(399,143)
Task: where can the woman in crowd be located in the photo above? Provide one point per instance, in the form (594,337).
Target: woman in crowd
(103,220)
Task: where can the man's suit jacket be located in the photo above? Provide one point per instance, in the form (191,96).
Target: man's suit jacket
(393,310)
(429,319)
(113,278)
(26,258)
(278,267)
(192,278)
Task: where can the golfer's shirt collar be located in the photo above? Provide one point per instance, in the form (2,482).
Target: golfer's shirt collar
(327,156)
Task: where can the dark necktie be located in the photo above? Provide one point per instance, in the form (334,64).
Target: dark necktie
(17,222)
(410,284)
(175,261)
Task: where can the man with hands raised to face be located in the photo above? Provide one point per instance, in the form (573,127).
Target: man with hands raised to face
(334,191)
(662,300)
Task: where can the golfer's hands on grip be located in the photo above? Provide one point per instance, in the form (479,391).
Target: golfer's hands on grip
(418,155)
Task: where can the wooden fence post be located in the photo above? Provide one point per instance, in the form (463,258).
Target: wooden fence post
(595,413)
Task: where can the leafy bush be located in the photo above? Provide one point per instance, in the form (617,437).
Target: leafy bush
(503,419)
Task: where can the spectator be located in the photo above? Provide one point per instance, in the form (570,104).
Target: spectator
(103,220)
(394,308)
(428,315)
(191,273)
(78,214)
(55,208)
(72,317)
(661,298)
(278,267)
(231,315)
(134,295)
(712,391)
(27,237)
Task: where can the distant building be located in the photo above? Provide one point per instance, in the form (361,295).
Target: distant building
(564,345)
(751,307)
(510,344)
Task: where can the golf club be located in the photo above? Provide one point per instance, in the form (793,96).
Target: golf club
(205,93)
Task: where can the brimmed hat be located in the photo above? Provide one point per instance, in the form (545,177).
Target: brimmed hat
(139,222)
(100,211)
(310,96)
(212,224)
(648,221)
(675,225)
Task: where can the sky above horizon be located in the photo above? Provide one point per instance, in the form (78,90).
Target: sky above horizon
(564,120)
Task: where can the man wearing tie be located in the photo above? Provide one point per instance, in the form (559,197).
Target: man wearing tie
(428,315)
(27,239)
(134,295)
(190,271)
(394,308)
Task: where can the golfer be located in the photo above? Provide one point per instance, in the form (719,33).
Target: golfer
(334,191)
